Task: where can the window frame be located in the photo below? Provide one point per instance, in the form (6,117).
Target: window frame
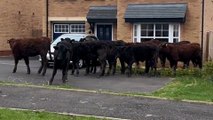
(61,30)
(137,37)
(77,32)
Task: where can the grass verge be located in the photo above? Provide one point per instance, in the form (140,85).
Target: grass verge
(187,88)
(8,114)
(189,84)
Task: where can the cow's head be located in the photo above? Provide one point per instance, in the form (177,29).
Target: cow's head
(61,51)
(11,42)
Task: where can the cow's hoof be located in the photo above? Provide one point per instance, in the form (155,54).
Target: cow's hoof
(49,83)
(64,81)
(129,75)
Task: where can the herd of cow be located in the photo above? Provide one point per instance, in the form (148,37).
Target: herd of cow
(94,51)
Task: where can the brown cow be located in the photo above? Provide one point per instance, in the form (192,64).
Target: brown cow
(29,47)
(162,55)
(182,52)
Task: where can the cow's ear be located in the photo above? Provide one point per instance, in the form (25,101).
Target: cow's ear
(55,47)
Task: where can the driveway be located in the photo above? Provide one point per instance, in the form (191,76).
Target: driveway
(116,83)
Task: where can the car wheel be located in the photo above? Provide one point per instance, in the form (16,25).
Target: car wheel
(81,63)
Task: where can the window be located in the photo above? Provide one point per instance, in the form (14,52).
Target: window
(135,34)
(77,28)
(61,28)
(147,30)
(175,33)
(69,28)
(161,31)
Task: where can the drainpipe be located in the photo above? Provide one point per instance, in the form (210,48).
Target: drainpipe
(47,14)
(202,25)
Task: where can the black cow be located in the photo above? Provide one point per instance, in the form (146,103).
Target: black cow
(29,47)
(62,57)
(81,51)
(135,52)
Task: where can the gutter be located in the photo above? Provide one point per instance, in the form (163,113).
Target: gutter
(202,25)
(47,14)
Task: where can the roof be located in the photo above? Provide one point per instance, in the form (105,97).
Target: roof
(102,14)
(169,12)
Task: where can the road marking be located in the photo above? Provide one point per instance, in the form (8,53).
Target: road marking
(6,63)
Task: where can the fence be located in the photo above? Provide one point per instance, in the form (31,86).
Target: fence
(210,46)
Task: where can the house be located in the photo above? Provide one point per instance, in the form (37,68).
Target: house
(129,20)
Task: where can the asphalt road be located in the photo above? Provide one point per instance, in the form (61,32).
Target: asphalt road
(134,108)
(87,103)
(116,83)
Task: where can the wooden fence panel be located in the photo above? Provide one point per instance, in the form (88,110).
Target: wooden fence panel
(210,45)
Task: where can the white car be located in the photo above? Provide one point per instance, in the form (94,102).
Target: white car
(76,37)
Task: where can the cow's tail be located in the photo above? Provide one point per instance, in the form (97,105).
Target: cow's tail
(155,56)
(48,41)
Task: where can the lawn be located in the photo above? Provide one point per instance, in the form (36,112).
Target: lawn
(188,88)
(8,114)
(189,84)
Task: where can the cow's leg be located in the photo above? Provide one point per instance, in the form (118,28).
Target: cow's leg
(163,61)
(64,75)
(53,75)
(110,67)
(114,67)
(73,67)
(87,67)
(155,66)
(194,62)
(174,68)
(94,64)
(199,62)
(103,66)
(186,65)
(26,60)
(147,64)
(122,66)
(129,70)
(77,68)
(16,63)
(44,66)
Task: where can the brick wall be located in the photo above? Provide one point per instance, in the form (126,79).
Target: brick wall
(75,8)
(190,30)
(26,18)
(19,18)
